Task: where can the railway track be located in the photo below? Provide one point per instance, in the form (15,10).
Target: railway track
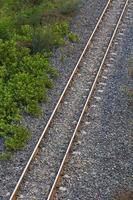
(48,158)
(95,166)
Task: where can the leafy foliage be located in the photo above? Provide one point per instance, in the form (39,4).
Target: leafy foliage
(46,38)
(5,28)
(29,30)
(24,81)
(73,37)
(69,6)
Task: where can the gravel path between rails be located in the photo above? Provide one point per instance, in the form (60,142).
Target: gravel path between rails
(100,163)
(83,25)
(43,170)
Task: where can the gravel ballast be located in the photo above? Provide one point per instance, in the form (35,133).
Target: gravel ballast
(43,170)
(83,25)
(100,163)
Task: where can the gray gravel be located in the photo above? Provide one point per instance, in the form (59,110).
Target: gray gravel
(83,25)
(44,168)
(101,163)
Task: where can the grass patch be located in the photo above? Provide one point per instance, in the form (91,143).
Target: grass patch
(29,30)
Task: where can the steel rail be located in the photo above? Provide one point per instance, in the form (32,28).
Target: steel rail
(14,193)
(86,104)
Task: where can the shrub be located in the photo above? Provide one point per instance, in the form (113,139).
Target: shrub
(42,40)
(24,34)
(69,6)
(29,30)
(52,16)
(24,81)
(5,27)
(73,37)
(30,16)
(19,137)
(48,37)
(5,156)
(33,2)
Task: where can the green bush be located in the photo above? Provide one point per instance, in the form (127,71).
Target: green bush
(19,137)
(33,2)
(24,81)
(42,40)
(24,34)
(48,37)
(31,15)
(69,6)
(5,28)
(29,30)
(5,156)
(73,37)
